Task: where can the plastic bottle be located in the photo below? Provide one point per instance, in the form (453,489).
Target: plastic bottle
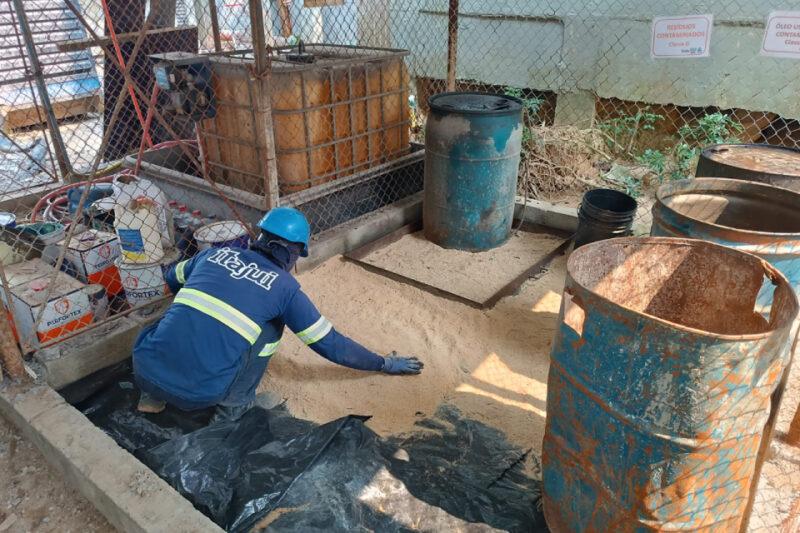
(197,219)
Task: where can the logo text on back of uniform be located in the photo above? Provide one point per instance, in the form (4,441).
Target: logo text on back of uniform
(229,259)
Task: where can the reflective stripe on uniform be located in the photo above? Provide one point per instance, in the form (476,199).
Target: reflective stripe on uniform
(216,308)
(179,272)
(316,331)
(269,349)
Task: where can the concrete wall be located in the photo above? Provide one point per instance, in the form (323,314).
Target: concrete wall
(604,47)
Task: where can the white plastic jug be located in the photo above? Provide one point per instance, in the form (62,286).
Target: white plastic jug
(137,226)
(128,188)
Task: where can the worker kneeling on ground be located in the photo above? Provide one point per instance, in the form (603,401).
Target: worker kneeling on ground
(213,344)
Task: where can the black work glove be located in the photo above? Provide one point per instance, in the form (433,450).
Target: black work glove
(396,365)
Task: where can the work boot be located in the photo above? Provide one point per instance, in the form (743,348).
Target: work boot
(230,413)
(148,404)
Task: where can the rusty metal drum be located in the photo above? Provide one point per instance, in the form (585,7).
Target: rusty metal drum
(753,217)
(473,143)
(749,216)
(773,165)
(660,380)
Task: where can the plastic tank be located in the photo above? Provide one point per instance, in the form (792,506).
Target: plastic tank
(340,111)
(472,153)
(659,386)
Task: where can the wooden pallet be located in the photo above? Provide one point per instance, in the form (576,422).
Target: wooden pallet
(23,116)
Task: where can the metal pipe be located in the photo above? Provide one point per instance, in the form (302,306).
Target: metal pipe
(263,162)
(258,36)
(147,121)
(332,91)
(121,59)
(452,44)
(52,123)
(212,9)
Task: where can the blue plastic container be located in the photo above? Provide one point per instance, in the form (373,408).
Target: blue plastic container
(659,385)
(96,192)
(472,152)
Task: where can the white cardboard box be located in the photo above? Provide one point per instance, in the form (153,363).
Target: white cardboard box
(66,307)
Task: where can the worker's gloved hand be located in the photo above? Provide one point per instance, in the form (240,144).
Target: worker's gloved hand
(397,365)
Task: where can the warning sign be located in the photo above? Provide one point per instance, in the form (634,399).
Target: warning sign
(782,36)
(675,37)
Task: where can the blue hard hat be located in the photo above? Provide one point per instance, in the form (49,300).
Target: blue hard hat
(287,223)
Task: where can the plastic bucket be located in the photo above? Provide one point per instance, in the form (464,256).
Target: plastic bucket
(145,282)
(44,232)
(100,215)
(230,233)
(604,214)
(137,226)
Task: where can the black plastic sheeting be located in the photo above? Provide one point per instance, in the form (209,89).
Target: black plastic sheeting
(271,471)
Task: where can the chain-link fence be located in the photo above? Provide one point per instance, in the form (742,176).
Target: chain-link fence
(135,132)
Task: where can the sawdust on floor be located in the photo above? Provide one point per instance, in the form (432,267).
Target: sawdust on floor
(475,276)
(491,364)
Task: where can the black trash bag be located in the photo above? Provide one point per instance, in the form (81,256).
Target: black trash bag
(451,474)
(470,471)
(269,469)
(235,472)
(112,407)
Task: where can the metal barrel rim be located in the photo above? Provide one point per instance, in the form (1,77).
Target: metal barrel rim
(704,184)
(709,153)
(769,271)
(435,105)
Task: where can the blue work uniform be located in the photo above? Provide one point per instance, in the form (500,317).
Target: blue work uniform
(213,344)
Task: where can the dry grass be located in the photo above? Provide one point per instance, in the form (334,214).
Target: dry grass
(562,159)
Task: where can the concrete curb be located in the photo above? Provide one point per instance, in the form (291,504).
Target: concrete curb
(362,230)
(128,494)
(546,214)
(75,358)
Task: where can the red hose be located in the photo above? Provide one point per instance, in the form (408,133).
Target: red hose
(61,190)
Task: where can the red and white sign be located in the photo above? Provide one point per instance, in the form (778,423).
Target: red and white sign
(782,36)
(681,37)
